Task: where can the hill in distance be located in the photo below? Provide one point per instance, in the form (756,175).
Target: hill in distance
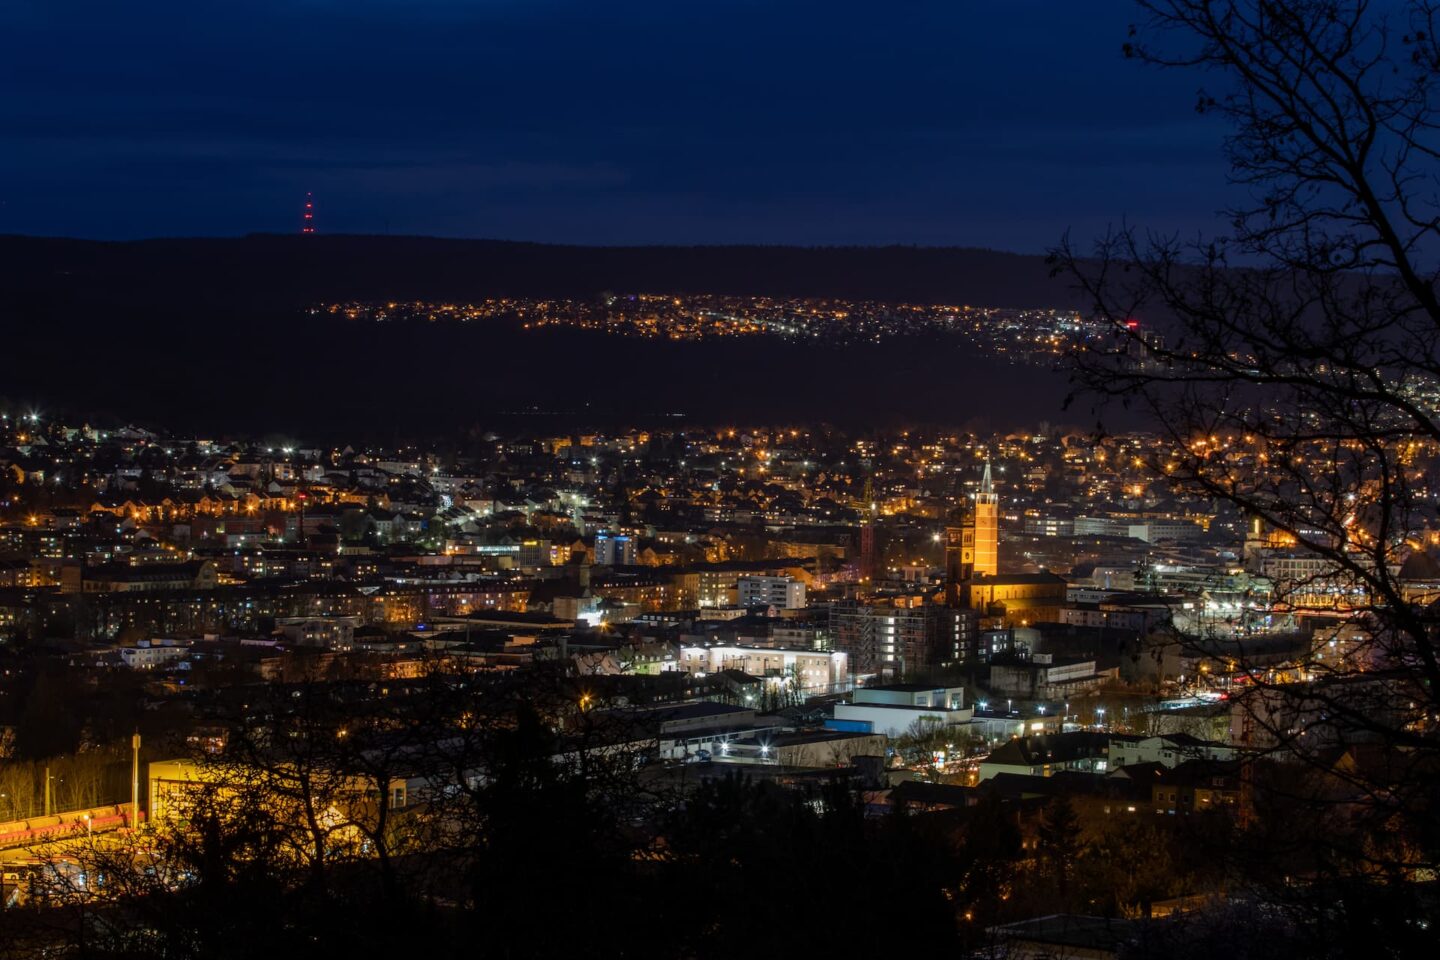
(211,335)
(268,270)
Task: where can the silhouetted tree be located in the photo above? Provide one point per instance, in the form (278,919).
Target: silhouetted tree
(1292,368)
(1059,842)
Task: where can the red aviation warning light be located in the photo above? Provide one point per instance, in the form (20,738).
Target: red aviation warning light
(307,220)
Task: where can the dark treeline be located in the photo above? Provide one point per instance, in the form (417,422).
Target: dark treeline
(533,821)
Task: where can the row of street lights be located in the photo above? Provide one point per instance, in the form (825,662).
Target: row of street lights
(984,706)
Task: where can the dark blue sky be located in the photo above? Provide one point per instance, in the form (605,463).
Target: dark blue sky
(971,122)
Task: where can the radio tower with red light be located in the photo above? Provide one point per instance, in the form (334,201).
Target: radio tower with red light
(307,220)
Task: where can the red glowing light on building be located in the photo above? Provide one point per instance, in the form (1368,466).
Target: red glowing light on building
(307,219)
(1132,324)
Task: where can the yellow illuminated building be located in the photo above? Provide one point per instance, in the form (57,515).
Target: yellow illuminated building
(1020,598)
(980,541)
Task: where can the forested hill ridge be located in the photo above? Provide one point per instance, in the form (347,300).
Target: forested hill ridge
(283,271)
(220,335)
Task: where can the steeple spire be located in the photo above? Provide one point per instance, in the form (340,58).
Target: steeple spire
(984,528)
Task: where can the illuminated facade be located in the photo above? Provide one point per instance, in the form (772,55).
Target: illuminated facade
(980,539)
(893,639)
(1021,598)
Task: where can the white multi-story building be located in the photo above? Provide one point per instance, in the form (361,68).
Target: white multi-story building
(893,709)
(150,654)
(812,670)
(786,593)
(1169,750)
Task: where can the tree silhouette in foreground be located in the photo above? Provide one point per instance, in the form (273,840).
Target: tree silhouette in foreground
(1293,368)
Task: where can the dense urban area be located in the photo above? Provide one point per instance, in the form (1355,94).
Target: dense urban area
(549,481)
(945,683)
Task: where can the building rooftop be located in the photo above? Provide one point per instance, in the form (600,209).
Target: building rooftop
(1050,748)
(1006,579)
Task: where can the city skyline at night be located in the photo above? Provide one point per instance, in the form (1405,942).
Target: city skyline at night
(760,478)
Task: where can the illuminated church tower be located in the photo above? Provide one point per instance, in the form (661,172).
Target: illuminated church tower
(980,546)
(972,541)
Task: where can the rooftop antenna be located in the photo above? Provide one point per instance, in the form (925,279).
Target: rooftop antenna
(307,219)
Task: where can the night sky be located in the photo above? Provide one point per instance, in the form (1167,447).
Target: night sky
(968,122)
